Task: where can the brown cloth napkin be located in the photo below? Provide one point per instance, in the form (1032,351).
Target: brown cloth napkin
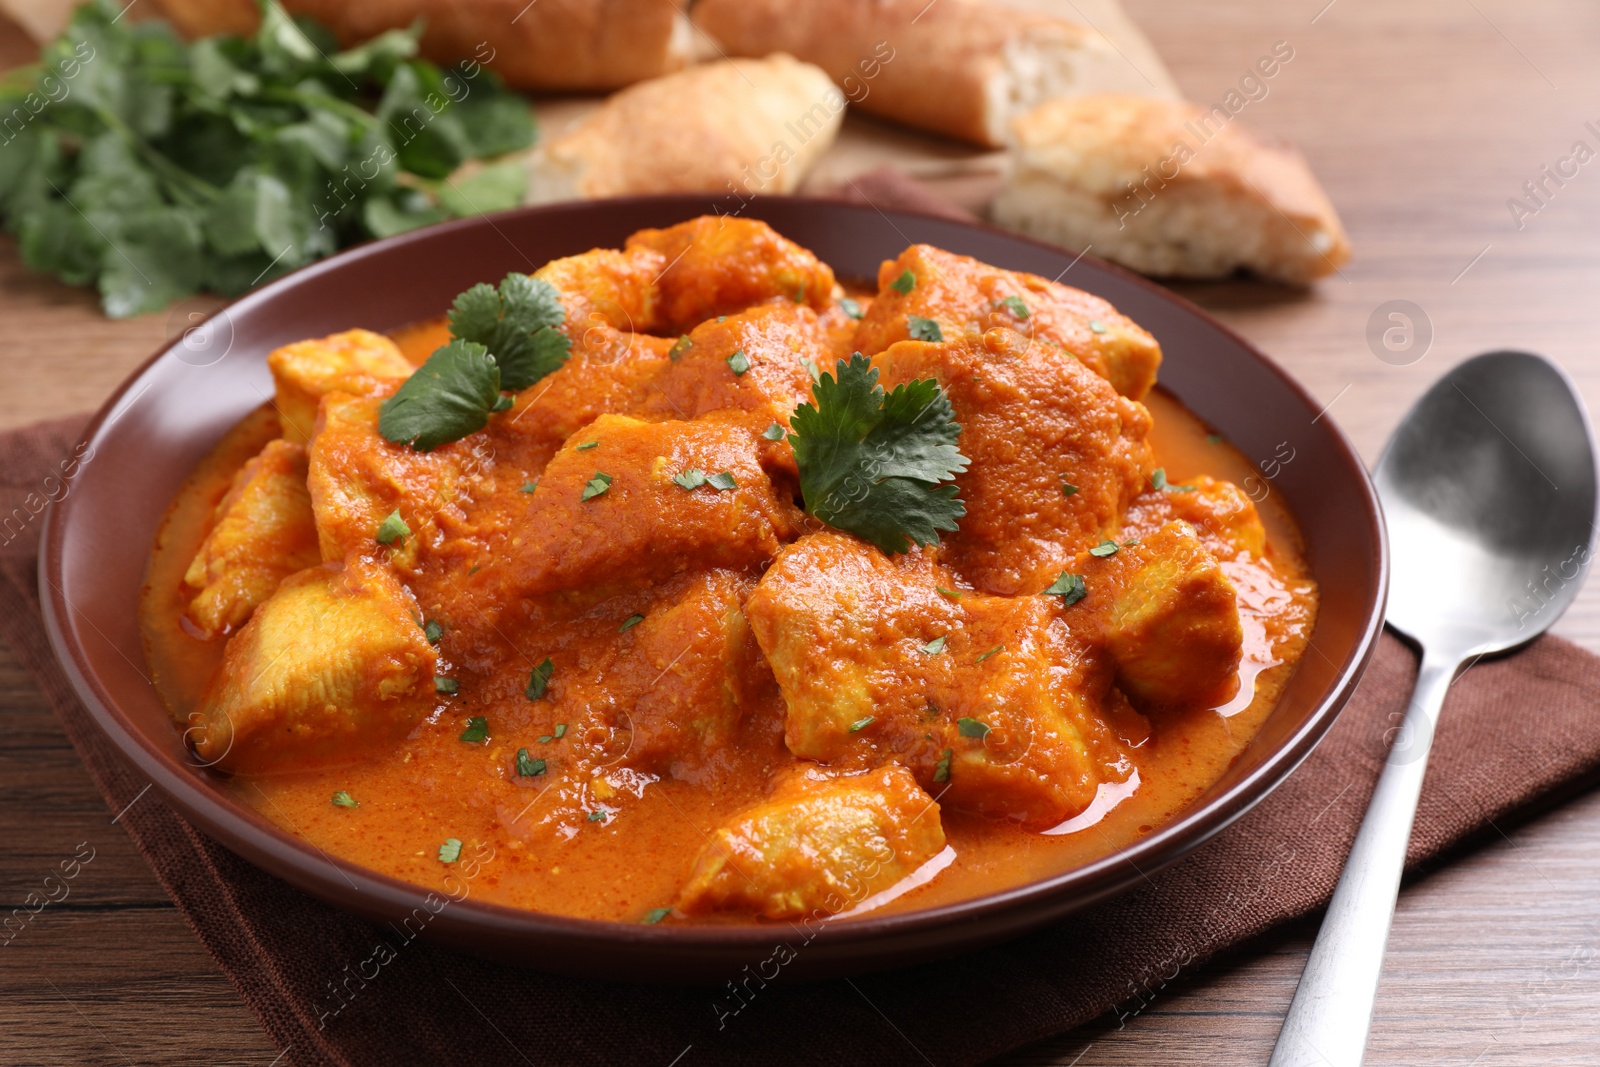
(1515,731)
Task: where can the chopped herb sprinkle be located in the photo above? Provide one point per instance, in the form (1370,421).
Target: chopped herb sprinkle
(561,730)
(922,329)
(851,307)
(530,486)
(450,851)
(1069,587)
(682,345)
(862,723)
(989,653)
(1158,479)
(432,631)
(597,485)
(1097,326)
(1067,488)
(539,680)
(905,283)
(941,770)
(587,445)
(951,593)
(1015,305)
(970,727)
(691,479)
(738,362)
(393,529)
(775,432)
(477,731)
(655,915)
(934,647)
(341,799)
(1103,549)
(441,684)
(630,622)
(723,481)
(527,766)
(598,815)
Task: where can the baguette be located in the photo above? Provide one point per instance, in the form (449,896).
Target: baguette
(744,126)
(1170,189)
(955,67)
(574,45)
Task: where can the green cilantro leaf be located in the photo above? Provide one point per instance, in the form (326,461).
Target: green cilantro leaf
(1158,479)
(1069,587)
(432,631)
(941,770)
(392,529)
(630,622)
(775,432)
(517,324)
(539,680)
(597,485)
(477,731)
(450,851)
(444,685)
(905,283)
(723,481)
(951,593)
(444,400)
(586,446)
(861,724)
(850,307)
(1067,488)
(1097,326)
(738,363)
(691,479)
(922,329)
(991,652)
(934,647)
(561,730)
(872,463)
(341,799)
(679,347)
(527,766)
(970,727)
(655,915)
(1015,305)
(599,815)
(1103,549)
(529,487)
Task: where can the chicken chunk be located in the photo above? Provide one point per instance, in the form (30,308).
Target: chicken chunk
(358,362)
(818,846)
(357,479)
(992,702)
(717,265)
(263,531)
(1056,454)
(608,513)
(767,378)
(672,694)
(330,667)
(1224,516)
(968,299)
(606,287)
(1169,618)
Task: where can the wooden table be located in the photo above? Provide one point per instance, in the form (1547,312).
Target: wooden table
(1422,117)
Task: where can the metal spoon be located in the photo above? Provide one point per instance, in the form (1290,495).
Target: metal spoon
(1488,491)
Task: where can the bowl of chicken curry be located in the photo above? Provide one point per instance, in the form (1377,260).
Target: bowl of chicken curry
(675,588)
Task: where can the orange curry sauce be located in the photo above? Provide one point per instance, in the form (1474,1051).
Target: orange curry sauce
(613,826)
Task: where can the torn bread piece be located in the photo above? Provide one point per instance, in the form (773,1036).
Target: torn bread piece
(1171,189)
(743,126)
(956,67)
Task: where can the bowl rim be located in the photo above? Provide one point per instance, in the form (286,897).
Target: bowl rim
(285,856)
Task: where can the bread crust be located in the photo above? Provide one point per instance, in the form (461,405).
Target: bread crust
(742,126)
(951,66)
(552,44)
(1168,187)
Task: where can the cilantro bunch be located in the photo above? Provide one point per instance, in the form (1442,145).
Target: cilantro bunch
(153,168)
(874,464)
(502,339)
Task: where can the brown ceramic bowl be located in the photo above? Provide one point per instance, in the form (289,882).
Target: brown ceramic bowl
(166,417)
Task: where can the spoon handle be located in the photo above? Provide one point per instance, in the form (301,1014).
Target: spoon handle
(1332,1010)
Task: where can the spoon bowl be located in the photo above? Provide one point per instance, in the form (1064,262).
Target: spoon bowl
(1488,491)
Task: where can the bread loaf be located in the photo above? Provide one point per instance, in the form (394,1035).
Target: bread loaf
(1170,189)
(738,126)
(548,44)
(955,67)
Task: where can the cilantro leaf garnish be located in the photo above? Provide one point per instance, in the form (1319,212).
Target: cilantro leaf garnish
(450,851)
(775,432)
(527,766)
(679,347)
(1096,326)
(529,487)
(922,329)
(872,463)
(629,623)
(655,915)
(1067,488)
(341,799)
(517,324)
(723,481)
(1015,305)
(539,680)
(905,283)
(392,529)
(991,652)
(738,363)
(850,307)
(596,485)
(862,723)
(1158,480)
(444,685)
(561,730)
(444,400)
(1104,548)
(477,731)
(941,770)
(1069,587)
(970,727)
(691,479)
(432,631)
(934,647)
(598,815)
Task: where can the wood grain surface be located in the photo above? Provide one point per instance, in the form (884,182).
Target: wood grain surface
(1423,117)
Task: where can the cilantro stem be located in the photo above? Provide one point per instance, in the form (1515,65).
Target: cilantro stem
(178,179)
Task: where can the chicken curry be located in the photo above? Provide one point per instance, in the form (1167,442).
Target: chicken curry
(682,583)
